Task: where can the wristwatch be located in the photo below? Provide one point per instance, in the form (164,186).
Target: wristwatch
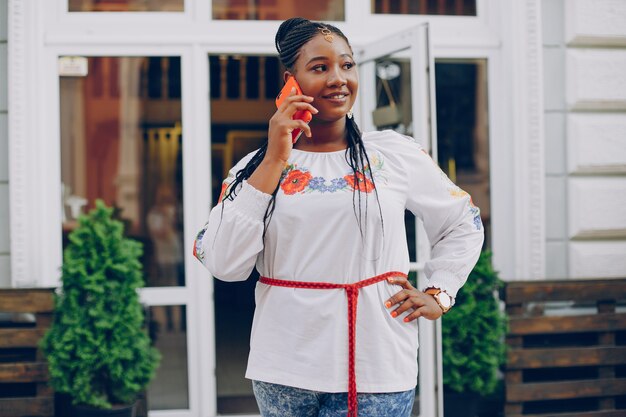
(442,298)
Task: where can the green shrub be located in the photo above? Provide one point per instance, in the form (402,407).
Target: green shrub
(97,350)
(473,333)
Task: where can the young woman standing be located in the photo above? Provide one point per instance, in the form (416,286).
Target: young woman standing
(323,222)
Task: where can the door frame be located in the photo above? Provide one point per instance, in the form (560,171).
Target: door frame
(415,44)
(506,32)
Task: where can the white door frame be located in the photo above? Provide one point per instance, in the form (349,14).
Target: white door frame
(414,44)
(41,30)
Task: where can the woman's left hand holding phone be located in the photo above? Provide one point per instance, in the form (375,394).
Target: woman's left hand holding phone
(266,177)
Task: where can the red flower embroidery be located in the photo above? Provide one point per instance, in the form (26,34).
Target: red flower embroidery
(224,187)
(362,183)
(295,182)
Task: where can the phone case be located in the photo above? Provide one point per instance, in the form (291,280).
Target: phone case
(304,115)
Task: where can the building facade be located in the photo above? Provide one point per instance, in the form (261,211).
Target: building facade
(147,103)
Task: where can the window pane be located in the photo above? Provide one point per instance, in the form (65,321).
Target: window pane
(126,5)
(169,390)
(278,9)
(463,130)
(121,141)
(428,7)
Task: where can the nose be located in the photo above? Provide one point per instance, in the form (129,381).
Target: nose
(336,78)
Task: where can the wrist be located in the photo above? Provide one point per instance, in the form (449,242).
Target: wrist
(274,162)
(442,298)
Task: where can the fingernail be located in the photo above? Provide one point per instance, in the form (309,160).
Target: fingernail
(388,304)
(406,319)
(394,314)
(390,279)
(316,110)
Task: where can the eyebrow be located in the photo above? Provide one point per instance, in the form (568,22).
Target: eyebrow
(323,58)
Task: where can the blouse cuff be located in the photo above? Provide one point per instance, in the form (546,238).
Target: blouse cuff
(251,202)
(445,281)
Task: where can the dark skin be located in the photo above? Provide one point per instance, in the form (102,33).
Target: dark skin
(328,77)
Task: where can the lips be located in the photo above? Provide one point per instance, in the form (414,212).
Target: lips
(336,96)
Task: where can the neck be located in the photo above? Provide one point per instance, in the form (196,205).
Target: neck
(326,137)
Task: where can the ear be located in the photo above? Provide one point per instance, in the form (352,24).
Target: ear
(286,76)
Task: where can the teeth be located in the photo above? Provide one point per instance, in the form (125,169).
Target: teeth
(337,96)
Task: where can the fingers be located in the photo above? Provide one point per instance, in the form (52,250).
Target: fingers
(410,299)
(401,281)
(300,101)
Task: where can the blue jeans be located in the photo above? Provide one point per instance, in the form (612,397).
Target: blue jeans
(281,401)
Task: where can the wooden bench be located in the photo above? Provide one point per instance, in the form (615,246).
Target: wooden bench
(566,349)
(25,314)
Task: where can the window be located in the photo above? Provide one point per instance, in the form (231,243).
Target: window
(121,142)
(278,9)
(429,7)
(126,5)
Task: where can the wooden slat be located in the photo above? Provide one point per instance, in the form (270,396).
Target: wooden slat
(606,413)
(567,324)
(565,390)
(23,372)
(19,407)
(17,300)
(563,357)
(577,290)
(13,338)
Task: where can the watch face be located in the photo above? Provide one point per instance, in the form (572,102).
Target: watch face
(444,299)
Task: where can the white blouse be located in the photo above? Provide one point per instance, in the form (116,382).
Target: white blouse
(300,336)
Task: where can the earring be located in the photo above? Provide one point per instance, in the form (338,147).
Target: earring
(350,114)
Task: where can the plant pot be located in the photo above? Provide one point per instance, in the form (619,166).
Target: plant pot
(116,411)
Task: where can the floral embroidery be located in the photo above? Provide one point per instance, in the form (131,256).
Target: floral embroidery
(198,252)
(361,183)
(297,179)
(319,184)
(224,187)
(456,192)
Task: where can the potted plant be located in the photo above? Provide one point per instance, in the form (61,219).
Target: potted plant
(97,349)
(473,340)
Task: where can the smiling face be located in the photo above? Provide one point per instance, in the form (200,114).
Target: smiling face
(327,72)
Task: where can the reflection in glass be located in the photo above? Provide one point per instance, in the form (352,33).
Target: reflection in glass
(463,130)
(428,7)
(169,390)
(126,5)
(121,141)
(393,95)
(278,9)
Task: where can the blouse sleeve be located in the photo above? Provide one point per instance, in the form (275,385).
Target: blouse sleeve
(231,240)
(451,220)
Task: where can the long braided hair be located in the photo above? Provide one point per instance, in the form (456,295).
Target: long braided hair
(291,36)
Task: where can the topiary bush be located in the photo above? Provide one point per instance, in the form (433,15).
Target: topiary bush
(97,350)
(473,333)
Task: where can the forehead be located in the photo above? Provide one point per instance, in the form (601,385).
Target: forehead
(320,47)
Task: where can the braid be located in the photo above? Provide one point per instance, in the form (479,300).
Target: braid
(290,37)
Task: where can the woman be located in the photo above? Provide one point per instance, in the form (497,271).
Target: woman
(323,222)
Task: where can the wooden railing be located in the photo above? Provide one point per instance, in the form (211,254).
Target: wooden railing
(25,316)
(566,349)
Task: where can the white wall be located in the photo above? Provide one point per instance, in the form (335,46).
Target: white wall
(584,44)
(5,276)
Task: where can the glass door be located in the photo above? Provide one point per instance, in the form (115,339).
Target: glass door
(397,92)
(121,141)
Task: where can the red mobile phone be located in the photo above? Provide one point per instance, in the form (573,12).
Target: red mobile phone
(304,115)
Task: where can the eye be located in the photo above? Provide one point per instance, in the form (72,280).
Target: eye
(348,65)
(319,68)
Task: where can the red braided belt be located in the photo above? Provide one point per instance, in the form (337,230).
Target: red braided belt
(352,292)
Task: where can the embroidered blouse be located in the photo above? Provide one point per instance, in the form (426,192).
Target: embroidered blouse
(321,230)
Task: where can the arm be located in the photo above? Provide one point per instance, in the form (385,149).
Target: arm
(231,240)
(453,227)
